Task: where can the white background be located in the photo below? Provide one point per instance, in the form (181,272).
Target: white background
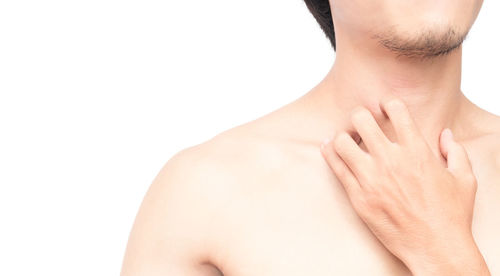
(96,95)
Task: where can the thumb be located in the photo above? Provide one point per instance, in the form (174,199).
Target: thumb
(455,154)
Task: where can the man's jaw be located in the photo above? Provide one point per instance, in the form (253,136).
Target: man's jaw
(425,44)
(364,74)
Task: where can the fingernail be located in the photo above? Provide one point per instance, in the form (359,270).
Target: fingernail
(449,131)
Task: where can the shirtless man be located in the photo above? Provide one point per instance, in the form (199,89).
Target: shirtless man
(260,199)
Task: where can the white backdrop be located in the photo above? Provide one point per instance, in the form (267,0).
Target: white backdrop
(96,95)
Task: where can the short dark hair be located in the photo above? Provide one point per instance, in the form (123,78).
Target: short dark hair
(320,9)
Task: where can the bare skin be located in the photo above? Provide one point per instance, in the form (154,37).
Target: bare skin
(419,208)
(260,199)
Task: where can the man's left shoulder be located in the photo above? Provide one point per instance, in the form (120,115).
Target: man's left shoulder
(493,151)
(492,140)
(495,146)
(484,147)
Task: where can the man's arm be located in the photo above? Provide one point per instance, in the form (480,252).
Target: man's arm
(170,235)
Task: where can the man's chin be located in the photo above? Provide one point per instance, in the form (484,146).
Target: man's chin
(423,45)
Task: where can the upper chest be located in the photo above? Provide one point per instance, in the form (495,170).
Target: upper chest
(300,222)
(485,161)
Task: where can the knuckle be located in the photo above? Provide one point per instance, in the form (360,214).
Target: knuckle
(373,201)
(360,206)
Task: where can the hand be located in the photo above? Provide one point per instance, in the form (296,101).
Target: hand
(418,208)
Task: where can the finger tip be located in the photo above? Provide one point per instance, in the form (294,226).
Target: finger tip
(325,142)
(444,141)
(451,134)
(446,134)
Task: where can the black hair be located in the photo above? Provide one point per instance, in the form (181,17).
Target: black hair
(320,9)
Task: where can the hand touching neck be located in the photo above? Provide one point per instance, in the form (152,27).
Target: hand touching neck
(365,76)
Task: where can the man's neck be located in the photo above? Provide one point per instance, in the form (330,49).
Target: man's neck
(430,88)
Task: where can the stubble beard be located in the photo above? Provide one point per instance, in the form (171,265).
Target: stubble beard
(426,44)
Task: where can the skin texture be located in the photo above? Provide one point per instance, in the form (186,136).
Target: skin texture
(260,198)
(419,209)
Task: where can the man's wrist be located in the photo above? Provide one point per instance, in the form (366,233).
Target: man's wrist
(464,259)
(470,267)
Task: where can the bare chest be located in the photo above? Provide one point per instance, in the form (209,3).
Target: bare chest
(301,223)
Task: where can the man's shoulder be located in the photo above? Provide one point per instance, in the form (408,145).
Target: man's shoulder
(494,144)
(492,135)
(494,122)
(189,199)
(252,157)
(232,155)
(198,183)
(486,145)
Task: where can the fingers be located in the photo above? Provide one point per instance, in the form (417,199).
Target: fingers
(341,170)
(368,129)
(455,154)
(404,126)
(354,157)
